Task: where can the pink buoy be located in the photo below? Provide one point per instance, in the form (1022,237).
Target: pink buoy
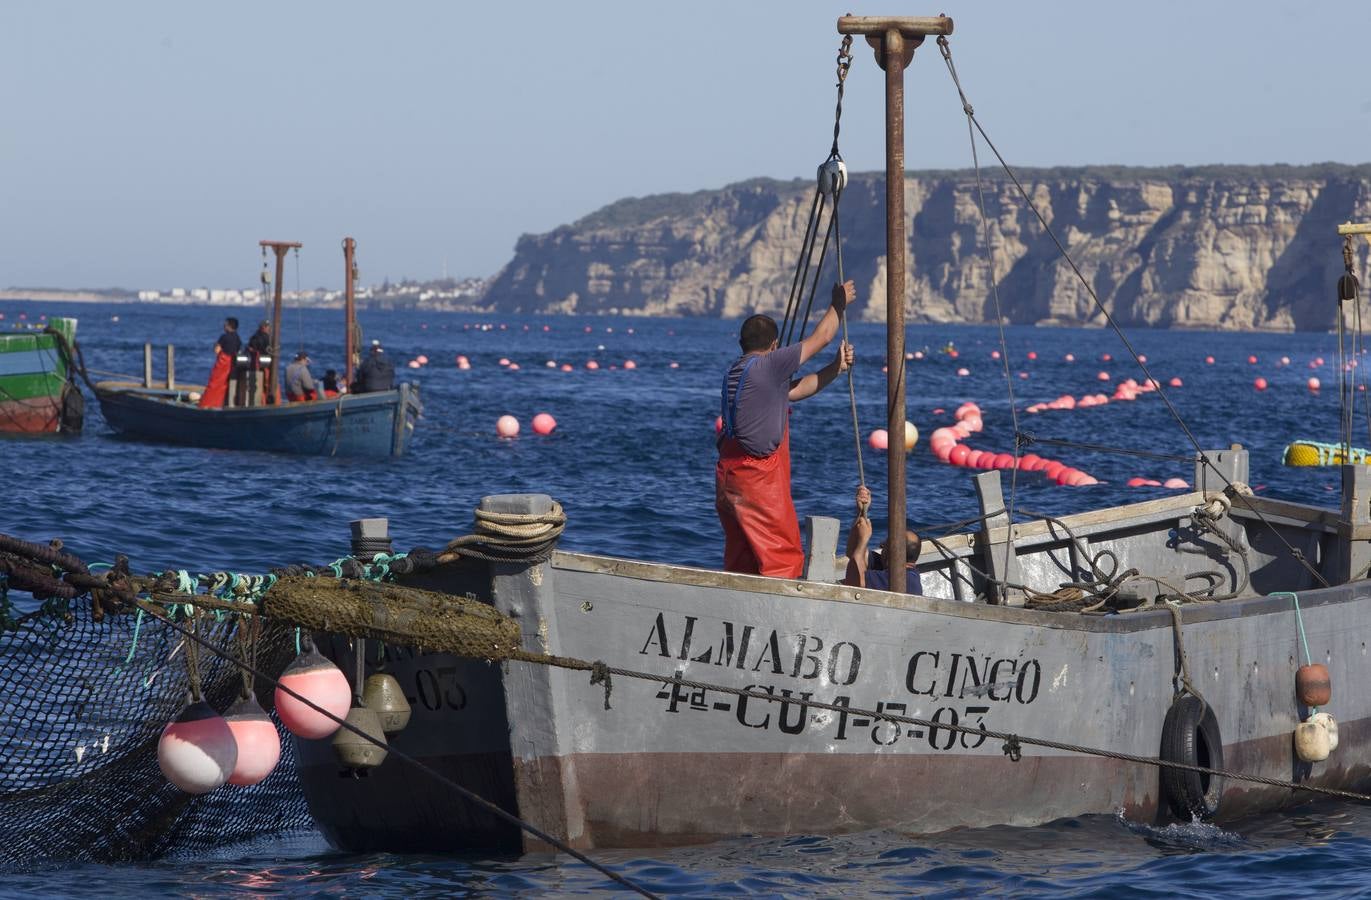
(1070,357)
(588,329)
(504,360)
(963,372)
(718,424)
(421,359)
(953,354)
(674,365)
(918,354)
(1252,360)
(505,427)
(197,752)
(1285,360)
(1053,469)
(1176,484)
(547,328)
(1105,357)
(1259,384)
(973,459)
(880,439)
(972,423)
(1032,354)
(1136,481)
(959,454)
(543,424)
(323,684)
(1030,462)
(567,367)
(592,364)
(994,354)
(1004,460)
(943,451)
(1318,361)
(1314,384)
(259,746)
(1209,360)
(1175,382)
(1142,358)
(1102,376)
(630,364)
(413,364)
(1023,375)
(513,367)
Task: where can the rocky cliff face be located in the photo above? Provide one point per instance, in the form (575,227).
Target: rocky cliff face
(1220,247)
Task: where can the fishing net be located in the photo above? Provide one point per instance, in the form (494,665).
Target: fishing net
(84,705)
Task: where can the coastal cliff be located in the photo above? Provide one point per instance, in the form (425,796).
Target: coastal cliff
(1216,247)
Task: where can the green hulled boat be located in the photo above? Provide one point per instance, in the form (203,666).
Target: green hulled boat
(38,393)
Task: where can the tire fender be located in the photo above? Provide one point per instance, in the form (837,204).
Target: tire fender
(1190,735)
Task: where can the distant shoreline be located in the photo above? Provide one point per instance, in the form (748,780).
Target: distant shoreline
(67,297)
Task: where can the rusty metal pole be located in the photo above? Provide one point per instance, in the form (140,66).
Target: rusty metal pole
(893,61)
(894,40)
(280,248)
(349,308)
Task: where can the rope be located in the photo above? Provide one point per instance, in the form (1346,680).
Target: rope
(509,537)
(1299,620)
(1299,557)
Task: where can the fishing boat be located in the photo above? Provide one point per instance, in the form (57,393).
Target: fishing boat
(376,423)
(1195,656)
(38,392)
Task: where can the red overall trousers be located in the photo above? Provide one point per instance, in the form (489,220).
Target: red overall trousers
(216,391)
(752,496)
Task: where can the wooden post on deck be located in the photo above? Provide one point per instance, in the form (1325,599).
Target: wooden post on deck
(280,248)
(894,39)
(1355,529)
(171,367)
(147,365)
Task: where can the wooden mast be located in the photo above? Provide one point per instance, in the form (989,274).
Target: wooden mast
(894,39)
(349,307)
(280,248)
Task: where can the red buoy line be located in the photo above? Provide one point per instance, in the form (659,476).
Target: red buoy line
(946,444)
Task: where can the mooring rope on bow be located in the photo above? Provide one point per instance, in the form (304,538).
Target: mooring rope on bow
(1294,552)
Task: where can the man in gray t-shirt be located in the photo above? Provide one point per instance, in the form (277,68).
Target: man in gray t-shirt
(752,479)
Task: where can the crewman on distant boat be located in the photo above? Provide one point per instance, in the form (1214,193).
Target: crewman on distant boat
(330,382)
(299,383)
(873,571)
(752,478)
(225,349)
(259,345)
(376,373)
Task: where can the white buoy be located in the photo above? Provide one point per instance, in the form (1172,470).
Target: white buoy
(197,752)
(1330,725)
(1311,741)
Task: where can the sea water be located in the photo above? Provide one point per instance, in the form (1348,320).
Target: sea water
(631,461)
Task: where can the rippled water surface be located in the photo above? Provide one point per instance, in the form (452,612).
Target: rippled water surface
(631,461)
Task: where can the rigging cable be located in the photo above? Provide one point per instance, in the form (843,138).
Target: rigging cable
(1203,457)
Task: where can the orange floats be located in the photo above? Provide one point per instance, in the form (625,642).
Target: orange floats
(197,752)
(1314,384)
(1260,384)
(321,683)
(543,423)
(879,440)
(1252,360)
(1176,484)
(1175,382)
(259,746)
(1312,685)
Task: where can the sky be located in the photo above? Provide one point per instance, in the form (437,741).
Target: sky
(150,145)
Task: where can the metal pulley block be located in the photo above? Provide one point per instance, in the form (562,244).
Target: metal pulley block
(832,177)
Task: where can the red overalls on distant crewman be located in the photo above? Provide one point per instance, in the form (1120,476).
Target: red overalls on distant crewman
(752,478)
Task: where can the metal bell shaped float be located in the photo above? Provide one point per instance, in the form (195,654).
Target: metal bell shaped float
(355,751)
(382,695)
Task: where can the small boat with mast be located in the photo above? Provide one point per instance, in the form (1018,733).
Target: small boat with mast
(378,423)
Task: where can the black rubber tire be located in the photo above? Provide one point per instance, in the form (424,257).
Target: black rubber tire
(1190,735)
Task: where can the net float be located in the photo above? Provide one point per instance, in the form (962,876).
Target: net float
(1312,685)
(197,752)
(259,746)
(320,682)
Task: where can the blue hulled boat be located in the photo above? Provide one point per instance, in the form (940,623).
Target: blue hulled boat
(255,415)
(375,424)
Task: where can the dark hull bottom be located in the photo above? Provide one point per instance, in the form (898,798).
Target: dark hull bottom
(670,799)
